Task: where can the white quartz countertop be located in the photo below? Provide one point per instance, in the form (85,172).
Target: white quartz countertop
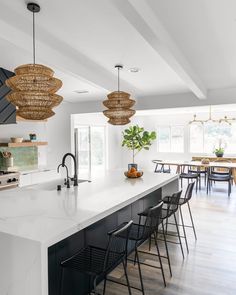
(42,214)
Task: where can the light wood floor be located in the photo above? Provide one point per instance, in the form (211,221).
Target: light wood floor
(210,267)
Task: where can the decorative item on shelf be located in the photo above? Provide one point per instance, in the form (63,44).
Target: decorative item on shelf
(119,105)
(136,139)
(7,159)
(205,161)
(219,148)
(33,137)
(34,87)
(16,139)
(210,120)
(133,173)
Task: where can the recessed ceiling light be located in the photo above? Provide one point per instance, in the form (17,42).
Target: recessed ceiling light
(134,70)
(81,91)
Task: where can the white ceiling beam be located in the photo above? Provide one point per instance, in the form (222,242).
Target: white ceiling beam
(16,29)
(140,15)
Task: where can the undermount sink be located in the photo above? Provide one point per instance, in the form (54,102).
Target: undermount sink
(52,185)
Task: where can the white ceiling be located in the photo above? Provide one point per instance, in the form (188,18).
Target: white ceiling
(205,31)
(180,46)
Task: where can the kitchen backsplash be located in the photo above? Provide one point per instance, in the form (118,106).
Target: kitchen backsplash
(23,156)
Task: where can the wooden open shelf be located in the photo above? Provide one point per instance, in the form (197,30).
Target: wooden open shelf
(23,144)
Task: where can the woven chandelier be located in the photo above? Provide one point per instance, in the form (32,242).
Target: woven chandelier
(34,87)
(119,105)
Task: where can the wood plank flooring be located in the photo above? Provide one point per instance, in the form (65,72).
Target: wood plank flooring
(210,266)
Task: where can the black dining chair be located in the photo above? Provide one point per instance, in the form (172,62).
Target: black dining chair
(97,263)
(161,167)
(220,170)
(191,174)
(214,175)
(200,170)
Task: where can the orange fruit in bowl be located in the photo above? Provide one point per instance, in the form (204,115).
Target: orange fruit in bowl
(139,174)
(132,170)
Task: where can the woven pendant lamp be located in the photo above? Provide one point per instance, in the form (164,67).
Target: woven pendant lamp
(119,105)
(34,87)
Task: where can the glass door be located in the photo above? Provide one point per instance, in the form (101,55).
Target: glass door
(90,149)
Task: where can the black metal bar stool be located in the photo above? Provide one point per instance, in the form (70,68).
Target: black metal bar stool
(140,233)
(185,200)
(168,211)
(144,214)
(97,262)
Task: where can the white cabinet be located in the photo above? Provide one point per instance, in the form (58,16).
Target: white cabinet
(35,177)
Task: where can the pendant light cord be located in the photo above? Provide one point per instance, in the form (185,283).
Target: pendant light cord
(33,37)
(118,79)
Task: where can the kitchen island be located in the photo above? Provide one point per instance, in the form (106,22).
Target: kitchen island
(40,226)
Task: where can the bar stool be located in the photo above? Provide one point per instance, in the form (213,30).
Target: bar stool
(97,262)
(139,233)
(168,211)
(185,200)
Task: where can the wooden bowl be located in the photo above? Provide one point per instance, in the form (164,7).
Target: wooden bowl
(133,176)
(16,139)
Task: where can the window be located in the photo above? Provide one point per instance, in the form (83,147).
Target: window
(205,138)
(171,139)
(90,148)
(196,138)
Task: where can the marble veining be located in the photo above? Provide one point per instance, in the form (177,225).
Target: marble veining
(48,216)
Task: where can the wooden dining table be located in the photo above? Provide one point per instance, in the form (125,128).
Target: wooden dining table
(199,164)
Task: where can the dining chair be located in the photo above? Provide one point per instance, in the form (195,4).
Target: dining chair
(220,170)
(192,175)
(216,175)
(200,170)
(160,167)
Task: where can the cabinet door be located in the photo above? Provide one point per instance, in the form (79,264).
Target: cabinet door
(25,179)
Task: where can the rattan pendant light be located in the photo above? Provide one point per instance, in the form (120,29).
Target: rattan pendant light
(119,105)
(34,87)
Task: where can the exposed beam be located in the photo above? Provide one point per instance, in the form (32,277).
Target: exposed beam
(140,15)
(16,29)
(176,100)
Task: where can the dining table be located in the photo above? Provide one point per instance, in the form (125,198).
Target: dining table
(179,164)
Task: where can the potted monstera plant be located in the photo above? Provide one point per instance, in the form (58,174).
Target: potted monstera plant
(135,138)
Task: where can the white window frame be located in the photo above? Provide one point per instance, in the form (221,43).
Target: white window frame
(203,141)
(170,127)
(203,150)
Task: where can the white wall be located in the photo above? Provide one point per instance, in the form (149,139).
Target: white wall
(56,131)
